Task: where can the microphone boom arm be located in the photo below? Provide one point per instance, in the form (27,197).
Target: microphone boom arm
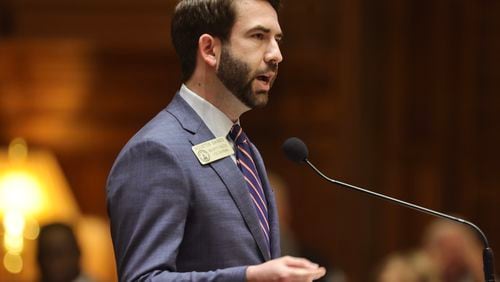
(488,266)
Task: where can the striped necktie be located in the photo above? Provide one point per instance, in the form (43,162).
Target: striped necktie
(247,166)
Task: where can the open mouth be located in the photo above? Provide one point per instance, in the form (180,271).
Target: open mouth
(264,78)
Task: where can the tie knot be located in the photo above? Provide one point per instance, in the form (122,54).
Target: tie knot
(237,134)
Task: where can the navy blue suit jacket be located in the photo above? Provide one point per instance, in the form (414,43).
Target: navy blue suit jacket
(173,219)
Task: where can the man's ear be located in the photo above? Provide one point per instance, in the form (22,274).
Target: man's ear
(209,48)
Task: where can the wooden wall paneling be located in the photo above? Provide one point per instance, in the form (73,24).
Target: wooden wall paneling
(384,90)
(464,97)
(354,221)
(117,24)
(489,122)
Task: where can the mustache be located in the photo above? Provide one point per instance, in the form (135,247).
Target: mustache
(271,67)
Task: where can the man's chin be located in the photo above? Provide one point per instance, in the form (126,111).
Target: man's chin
(259,99)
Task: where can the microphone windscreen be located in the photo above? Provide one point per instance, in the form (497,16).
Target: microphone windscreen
(295,150)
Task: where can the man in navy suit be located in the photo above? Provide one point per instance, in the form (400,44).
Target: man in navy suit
(180,207)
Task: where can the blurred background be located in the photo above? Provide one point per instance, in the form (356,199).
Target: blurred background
(401,96)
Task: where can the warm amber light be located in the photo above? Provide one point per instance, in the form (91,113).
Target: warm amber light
(31,229)
(20,191)
(13,243)
(33,192)
(35,186)
(13,263)
(18,150)
(13,223)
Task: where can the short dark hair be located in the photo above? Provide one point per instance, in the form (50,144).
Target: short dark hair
(193,18)
(57,227)
(57,244)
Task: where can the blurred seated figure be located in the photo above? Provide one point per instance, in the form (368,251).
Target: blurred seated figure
(412,267)
(450,252)
(58,254)
(455,250)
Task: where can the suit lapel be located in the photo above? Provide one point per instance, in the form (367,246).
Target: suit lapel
(225,168)
(236,185)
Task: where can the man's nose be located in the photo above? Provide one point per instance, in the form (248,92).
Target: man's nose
(273,55)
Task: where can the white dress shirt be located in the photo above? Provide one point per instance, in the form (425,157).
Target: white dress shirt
(216,121)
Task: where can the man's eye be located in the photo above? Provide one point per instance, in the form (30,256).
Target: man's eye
(259,36)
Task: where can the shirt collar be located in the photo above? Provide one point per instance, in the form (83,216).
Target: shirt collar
(216,121)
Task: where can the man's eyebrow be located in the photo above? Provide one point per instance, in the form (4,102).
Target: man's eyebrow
(260,28)
(265,30)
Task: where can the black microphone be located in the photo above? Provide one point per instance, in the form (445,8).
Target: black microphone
(295,150)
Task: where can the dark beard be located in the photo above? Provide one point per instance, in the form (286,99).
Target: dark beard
(235,75)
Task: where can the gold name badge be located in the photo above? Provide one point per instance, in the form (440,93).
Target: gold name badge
(213,150)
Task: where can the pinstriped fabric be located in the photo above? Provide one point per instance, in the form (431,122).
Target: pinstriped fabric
(247,166)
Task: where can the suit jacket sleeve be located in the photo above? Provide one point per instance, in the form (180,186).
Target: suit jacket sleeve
(148,199)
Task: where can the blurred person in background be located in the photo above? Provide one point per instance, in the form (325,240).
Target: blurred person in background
(455,250)
(58,255)
(450,252)
(414,266)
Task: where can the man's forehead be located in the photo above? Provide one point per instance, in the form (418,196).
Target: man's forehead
(252,14)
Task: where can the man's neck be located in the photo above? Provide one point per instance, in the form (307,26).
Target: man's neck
(217,94)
